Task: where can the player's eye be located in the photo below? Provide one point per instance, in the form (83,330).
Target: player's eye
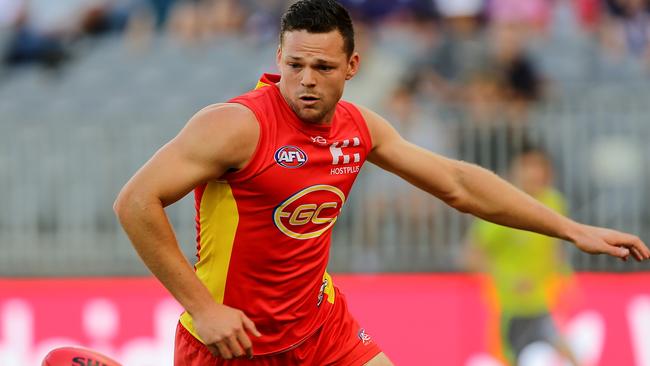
(325,68)
(294,65)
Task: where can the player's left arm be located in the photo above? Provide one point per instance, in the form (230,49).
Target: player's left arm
(472,189)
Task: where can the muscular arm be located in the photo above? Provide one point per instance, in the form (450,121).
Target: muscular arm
(216,139)
(472,189)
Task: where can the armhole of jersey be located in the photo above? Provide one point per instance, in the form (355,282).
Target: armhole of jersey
(254,165)
(198,197)
(360,122)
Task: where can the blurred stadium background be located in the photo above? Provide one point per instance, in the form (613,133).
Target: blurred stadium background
(89,89)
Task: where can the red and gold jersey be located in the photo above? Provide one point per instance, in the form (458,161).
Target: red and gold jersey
(264,231)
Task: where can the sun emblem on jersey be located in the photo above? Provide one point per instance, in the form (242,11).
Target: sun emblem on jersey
(310,212)
(290,157)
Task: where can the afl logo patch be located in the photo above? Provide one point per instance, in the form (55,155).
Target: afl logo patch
(290,157)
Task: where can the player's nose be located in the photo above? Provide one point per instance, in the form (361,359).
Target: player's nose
(308,79)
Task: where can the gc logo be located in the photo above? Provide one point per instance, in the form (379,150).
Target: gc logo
(310,212)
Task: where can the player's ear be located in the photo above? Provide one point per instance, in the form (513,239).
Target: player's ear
(278,55)
(353,66)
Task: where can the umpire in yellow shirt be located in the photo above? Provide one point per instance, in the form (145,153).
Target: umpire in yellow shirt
(522,265)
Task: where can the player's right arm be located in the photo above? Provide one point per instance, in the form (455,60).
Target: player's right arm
(217,139)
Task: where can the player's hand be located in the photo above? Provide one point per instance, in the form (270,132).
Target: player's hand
(224,331)
(597,240)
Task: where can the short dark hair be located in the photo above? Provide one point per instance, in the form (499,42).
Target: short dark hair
(319,16)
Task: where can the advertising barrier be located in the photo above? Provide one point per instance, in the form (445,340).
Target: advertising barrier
(429,319)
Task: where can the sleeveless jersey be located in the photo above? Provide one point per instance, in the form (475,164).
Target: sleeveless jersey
(264,231)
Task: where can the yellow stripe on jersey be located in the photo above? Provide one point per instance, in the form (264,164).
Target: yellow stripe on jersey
(218,224)
(260,84)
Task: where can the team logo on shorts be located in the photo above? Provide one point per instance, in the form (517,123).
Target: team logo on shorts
(321,293)
(310,212)
(364,337)
(290,157)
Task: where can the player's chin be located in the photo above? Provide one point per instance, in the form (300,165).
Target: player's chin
(311,115)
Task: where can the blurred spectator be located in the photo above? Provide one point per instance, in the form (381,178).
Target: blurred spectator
(628,29)
(497,97)
(531,13)
(224,16)
(262,23)
(589,12)
(376,11)
(567,50)
(459,8)
(185,23)
(9,12)
(461,54)
(414,119)
(52,43)
(104,17)
(27,45)
(200,20)
(161,10)
(520,81)
(524,267)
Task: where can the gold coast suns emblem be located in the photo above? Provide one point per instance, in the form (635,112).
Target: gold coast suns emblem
(310,212)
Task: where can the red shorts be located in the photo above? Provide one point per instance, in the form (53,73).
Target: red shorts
(340,341)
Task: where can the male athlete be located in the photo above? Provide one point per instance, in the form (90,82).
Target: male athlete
(271,170)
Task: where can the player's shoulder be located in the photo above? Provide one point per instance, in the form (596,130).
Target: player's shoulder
(367,115)
(225,111)
(379,128)
(372,118)
(361,108)
(226,132)
(224,124)
(224,117)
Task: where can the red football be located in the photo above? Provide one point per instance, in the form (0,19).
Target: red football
(75,356)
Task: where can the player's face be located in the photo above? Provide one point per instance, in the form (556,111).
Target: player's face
(314,68)
(532,173)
